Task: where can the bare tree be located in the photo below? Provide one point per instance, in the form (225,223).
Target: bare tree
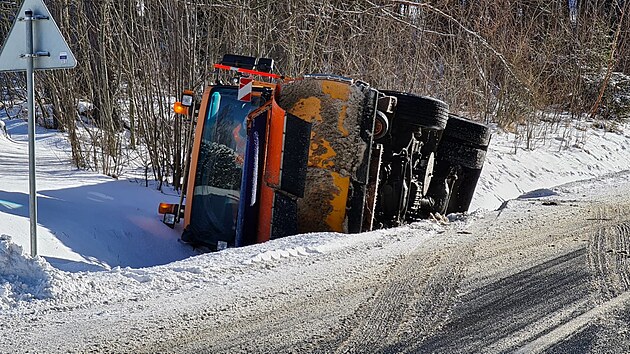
(499,61)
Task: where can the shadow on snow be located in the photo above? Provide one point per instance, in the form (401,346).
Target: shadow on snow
(114,223)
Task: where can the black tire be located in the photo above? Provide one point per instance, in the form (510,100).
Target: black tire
(419,111)
(463,149)
(455,198)
(467,132)
(466,156)
(467,161)
(463,191)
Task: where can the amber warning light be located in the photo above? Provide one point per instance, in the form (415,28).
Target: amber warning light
(169,211)
(179,108)
(187,102)
(166,208)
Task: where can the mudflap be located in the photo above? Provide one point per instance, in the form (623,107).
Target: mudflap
(463,190)
(283,180)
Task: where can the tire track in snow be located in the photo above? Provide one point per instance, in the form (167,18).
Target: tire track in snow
(602,327)
(541,302)
(576,324)
(398,311)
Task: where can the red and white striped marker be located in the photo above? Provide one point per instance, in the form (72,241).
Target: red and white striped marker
(245,85)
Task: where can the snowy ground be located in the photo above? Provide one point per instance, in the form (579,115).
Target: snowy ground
(559,156)
(102,242)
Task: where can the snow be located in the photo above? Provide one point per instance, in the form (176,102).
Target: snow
(22,278)
(101,240)
(565,156)
(86,221)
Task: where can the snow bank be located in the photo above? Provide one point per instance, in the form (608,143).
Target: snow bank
(279,254)
(560,157)
(22,278)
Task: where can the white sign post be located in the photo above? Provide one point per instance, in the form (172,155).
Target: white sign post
(34,43)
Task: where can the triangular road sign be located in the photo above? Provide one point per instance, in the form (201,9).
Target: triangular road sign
(46,39)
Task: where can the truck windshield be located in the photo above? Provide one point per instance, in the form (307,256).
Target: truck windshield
(220,166)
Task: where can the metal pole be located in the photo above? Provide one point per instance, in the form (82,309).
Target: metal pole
(30,81)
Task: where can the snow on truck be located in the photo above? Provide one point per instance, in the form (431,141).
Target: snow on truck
(282,156)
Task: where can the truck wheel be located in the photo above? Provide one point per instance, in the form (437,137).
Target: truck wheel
(462,191)
(381,125)
(420,111)
(467,161)
(466,156)
(467,132)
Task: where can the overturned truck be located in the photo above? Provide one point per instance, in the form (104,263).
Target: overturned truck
(320,153)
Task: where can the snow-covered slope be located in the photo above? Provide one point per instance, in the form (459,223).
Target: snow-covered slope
(559,157)
(86,221)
